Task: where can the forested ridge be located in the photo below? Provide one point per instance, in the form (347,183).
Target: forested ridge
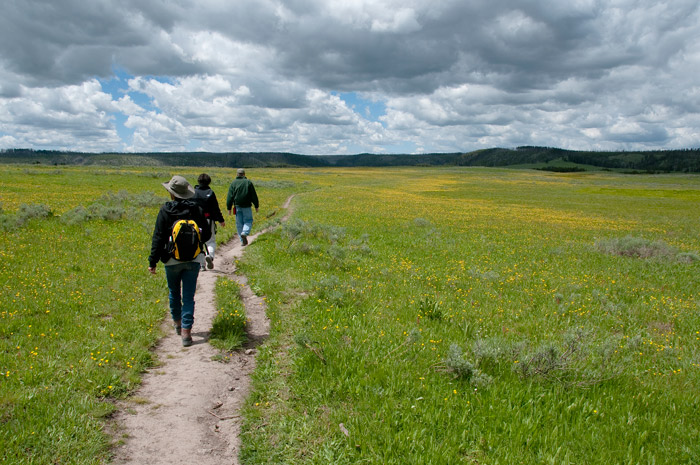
(545,158)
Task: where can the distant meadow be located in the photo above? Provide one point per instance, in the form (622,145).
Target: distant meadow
(419,315)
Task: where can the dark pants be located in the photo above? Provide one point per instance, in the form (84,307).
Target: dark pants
(182,282)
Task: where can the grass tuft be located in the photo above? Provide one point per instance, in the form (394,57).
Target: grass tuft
(638,247)
(228,328)
(25,213)
(688,257)
(457,363)
(31,211)
(430,308)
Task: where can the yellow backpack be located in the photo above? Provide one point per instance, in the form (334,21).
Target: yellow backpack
(185,240)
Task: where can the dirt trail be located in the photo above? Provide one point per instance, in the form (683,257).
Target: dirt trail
(187,408)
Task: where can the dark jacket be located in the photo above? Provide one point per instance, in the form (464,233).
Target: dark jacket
(207,200)
(241,193)
(169,213)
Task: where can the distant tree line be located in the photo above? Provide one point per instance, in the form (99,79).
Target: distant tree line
(554,159)
(230,159)
(686,160)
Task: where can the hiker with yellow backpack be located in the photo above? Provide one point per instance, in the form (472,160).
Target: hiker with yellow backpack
(178,241)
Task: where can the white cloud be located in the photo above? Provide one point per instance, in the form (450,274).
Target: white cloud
(264,74)
(402,21)
(9,142)
(127,106)
(77,116)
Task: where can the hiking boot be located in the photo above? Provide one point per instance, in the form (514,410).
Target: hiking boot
(244,240)
(186,337)
(178,327)
(210,261)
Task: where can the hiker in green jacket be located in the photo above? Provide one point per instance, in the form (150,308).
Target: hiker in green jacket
(241,198)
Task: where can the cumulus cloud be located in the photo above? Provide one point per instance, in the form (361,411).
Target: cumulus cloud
(271,74)
(70,117)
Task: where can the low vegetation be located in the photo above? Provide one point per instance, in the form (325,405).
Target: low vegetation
(419,315)
(229,325)
(79,312)
(469,316)
(639,247)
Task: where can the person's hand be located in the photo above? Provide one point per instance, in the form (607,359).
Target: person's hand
(256,209)
(223,224)
(229,212)
(152,269)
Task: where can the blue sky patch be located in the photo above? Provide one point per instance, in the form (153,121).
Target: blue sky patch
(368,109)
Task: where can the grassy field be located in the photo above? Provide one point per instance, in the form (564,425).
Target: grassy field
(79,311)
(480,316)
(419,315)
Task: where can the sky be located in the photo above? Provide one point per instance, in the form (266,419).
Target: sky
(349,76)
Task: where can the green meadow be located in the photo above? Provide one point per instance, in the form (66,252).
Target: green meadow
(419,315)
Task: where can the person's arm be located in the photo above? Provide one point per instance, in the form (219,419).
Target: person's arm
(203,224)
(215,210)
(229,199)
(254,197)
(157,241)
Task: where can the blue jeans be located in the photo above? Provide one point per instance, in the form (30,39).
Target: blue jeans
(244,220)
(182,282)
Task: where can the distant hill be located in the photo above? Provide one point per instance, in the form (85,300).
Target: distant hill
(546,158)
(232,159)
(660,160)
(370,159)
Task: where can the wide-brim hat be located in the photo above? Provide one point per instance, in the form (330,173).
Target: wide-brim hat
(179,187)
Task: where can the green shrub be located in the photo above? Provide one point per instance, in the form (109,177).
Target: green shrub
(28,212)
(275,184)
(77,215)
(491,351)
(146,199)
(456,363)
(106,212)
(111,207)
(121,196)
(7,222)
(295,229)
(579,360)
(421,223)
(99,211)
(688,257)
(638,247)
(544,361)
(153,174)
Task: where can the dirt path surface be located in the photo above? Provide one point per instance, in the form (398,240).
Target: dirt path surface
(187,408)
